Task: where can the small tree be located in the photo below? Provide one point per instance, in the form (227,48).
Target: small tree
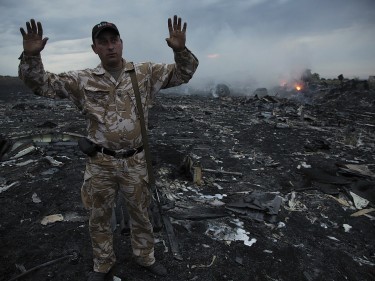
(315,77)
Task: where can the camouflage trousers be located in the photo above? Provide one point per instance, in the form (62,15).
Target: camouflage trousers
(105,178)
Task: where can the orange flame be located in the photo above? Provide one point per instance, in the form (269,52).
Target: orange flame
(298,87)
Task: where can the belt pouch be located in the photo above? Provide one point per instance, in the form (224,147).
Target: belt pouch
(87,147)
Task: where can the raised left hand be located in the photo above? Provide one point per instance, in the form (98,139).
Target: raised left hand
(177,36)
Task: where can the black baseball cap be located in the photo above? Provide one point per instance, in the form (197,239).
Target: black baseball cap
(101,26)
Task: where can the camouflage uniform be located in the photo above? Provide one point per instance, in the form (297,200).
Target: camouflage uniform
(112,122)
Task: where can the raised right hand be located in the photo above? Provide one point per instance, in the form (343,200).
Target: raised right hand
(33,41)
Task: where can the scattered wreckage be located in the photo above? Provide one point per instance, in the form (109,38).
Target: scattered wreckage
(270,188)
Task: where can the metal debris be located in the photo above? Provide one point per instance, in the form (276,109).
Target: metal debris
(6,187)
(362,212)
(72,257)
(52,219)
(175,248)
(257,205)
(358,170)
(204,265)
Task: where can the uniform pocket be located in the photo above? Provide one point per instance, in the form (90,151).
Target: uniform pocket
(131,93)
(86,190)
(96,102)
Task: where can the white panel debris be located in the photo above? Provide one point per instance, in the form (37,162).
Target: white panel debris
(362,261)
(52,219)
(27,162)
(6,187)
(25,151)
(224,232)
(294,204)
(54,162)
(303,165)
(359,202)
(35,198)
(347,227)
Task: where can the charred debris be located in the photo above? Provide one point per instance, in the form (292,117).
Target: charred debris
(289,172)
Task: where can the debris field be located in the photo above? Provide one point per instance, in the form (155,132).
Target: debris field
(251,188)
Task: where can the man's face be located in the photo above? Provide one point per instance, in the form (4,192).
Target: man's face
(108,46)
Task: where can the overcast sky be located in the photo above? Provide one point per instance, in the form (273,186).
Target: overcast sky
(257,42)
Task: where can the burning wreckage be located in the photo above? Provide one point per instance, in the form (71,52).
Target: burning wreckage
(252,187)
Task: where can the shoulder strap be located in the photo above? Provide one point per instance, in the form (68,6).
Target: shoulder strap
(146,147)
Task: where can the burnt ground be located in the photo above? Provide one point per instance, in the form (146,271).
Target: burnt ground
(309,155)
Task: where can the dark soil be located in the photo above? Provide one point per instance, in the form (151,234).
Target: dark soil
(232,134)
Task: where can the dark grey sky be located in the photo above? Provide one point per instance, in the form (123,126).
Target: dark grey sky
(247,42)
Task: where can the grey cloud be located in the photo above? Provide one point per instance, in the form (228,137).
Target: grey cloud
(248,40)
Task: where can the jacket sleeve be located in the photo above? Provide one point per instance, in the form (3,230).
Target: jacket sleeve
(57,86)
(170,75)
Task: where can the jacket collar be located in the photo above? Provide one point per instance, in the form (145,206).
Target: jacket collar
(99,70)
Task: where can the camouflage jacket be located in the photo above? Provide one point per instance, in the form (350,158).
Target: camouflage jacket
(109,105)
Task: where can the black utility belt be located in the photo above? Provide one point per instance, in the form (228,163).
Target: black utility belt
(119,154)
(91,149)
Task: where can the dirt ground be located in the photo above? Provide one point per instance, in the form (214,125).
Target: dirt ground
(254,144)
